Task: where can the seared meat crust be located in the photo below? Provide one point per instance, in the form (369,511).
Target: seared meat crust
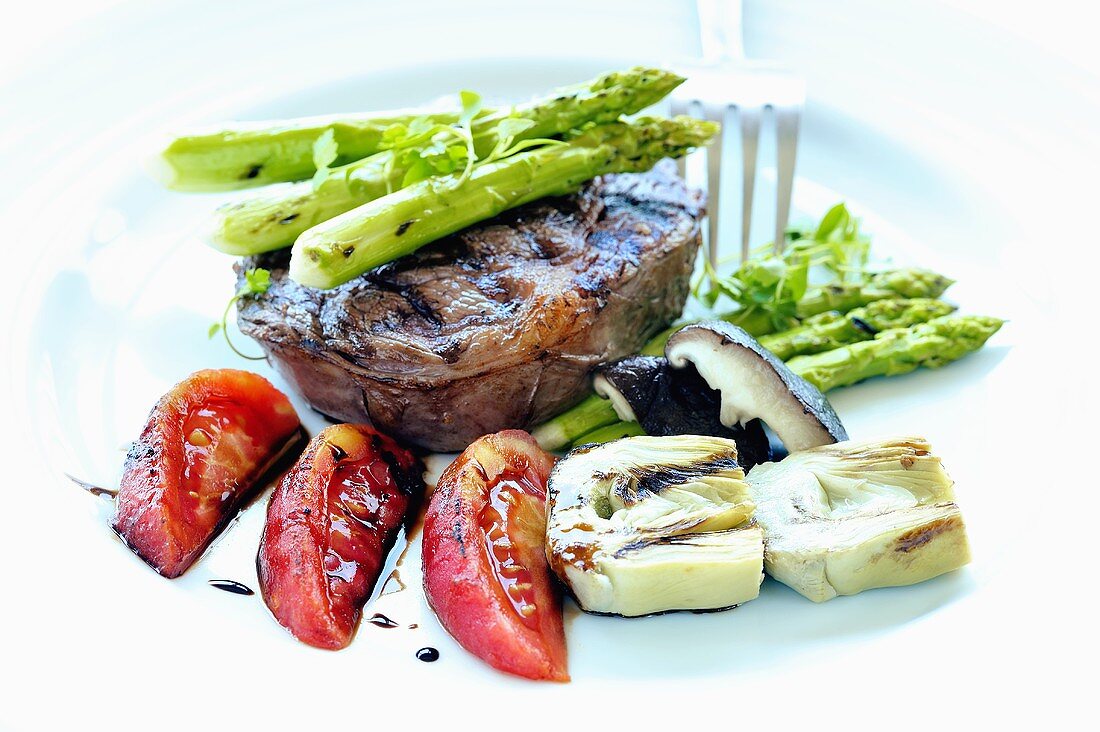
(495,327)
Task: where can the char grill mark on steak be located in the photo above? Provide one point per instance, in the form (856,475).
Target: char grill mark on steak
(493,327)
(412,296)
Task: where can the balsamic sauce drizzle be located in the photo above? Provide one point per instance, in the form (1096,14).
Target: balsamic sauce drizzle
(426,654)
(382,621)
(95,490)
(231,586)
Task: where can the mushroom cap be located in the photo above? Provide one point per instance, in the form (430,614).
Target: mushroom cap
(667,401)
(754,383)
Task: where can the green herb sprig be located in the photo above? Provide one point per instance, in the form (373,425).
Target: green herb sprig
(506,132)
(325,152)
(774,283)
(425,148)
(257,281)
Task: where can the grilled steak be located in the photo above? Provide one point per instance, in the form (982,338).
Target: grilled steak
(494,327)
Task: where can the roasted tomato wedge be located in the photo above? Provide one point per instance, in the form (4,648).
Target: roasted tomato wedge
(485,571)
(203,450)
(329,526)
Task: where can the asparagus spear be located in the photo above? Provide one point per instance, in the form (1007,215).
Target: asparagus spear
(897,351)
(274,220)
(904,282)
(891,284)
(255,154)
(830,330)
(817,333)
(591,414)
(402,222)
(891,352)
(609,433)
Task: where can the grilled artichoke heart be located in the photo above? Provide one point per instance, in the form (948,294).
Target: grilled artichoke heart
(848,517)
(645,525)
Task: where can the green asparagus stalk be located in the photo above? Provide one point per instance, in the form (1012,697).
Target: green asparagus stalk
(591,414)
(259,153)
(609,433)
(905,282)
(891,352)
(897,351)
(830,330)
(891,284)
(275,220)
(400,223)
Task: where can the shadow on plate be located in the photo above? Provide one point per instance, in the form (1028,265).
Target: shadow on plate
(774,629)
(920,386)
(79,348)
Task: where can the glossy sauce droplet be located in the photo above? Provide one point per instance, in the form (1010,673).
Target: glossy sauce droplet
(211,433)
(364,504)
(382,621)
(427,655)
(507,514)
(231,586)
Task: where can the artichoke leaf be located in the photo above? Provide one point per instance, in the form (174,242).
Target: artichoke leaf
(650,524)
(852,516)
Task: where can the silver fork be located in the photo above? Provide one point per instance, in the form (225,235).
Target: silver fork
(725,87)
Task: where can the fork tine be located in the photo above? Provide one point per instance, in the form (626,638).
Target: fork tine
(749,117)
(714,189)
(677,107)
(786,141)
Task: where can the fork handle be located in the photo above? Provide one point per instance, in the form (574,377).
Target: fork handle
(721,30)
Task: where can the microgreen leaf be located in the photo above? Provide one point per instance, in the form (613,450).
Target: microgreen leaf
(257,281)
(511,126)
(422,126)
(392,134)
(424,148)
(835,217)
(471,106)
(775,283)
(325,152)
(506,131)
(533,142)
(325,149)
(418,171)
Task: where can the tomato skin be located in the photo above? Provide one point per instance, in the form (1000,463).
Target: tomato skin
(174,499)
(330,524)
(461,581)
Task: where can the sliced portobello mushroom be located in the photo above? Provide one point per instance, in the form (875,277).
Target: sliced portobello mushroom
(844,518)
(648,524)
(666,401)
(755,384)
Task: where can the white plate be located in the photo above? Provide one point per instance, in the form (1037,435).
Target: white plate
(118,312)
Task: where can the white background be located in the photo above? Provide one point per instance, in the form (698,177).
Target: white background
(997,106)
